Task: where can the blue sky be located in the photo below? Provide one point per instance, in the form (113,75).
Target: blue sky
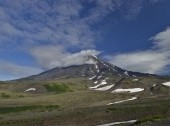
(37,35)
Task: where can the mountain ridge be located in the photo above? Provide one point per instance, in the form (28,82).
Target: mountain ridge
(93,66)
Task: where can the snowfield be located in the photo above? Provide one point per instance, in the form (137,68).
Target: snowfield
(133,98)
(166,83)
(131,90)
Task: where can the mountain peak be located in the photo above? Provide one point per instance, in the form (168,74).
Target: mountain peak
(91,59)
(92,67)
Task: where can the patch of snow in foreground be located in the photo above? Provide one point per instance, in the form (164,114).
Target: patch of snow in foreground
(104,88)
(131,90)
(133,98)
(116,123)
(166,83)
(30,89)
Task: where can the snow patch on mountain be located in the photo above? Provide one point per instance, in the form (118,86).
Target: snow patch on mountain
(99,77)
(91,70)
(106,65)
(30,89)
(95,82)
(114,69)
(104,88)
(154,85)
(126,73)
(134,76)
(133,98)
(103,82)
(166,83)
(131,90)
(117,123)
(135,80)
(92,77)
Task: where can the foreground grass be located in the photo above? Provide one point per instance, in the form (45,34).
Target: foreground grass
(151,118)
(7,110)
(143,110)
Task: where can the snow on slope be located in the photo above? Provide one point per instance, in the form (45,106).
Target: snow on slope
(92,77)
(103,82)
(105,88)
(135,80)
(96,82)
(117,123)
(126,73)
(30,89)
(131,90)
(133,98)
(166,83)
(99,77)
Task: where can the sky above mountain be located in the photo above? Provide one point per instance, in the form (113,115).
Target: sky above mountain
(37,35)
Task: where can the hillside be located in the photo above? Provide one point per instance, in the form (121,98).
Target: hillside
(90,94)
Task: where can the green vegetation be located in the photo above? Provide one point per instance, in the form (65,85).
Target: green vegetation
(151,119)
(7,110)
(86,108)
(21,96)
(4,95)
(57,88)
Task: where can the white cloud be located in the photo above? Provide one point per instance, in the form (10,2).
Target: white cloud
(56,56)
(45,22)
(59,22)
(162,40)
(145,61)
(154,60)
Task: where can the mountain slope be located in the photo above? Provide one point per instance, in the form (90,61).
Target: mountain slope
(93,93)
(103,76)
(96,68)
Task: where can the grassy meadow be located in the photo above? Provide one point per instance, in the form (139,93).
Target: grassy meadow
(71,103)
